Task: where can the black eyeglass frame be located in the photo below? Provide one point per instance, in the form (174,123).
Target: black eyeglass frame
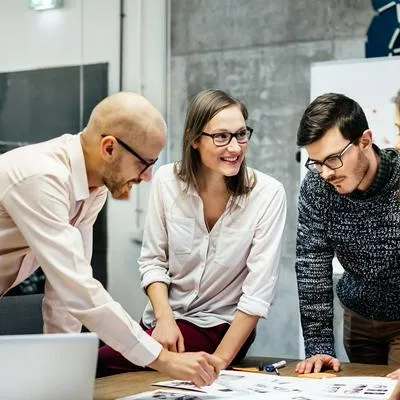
(133,152)
(309,163)
(212,135)
(398,128)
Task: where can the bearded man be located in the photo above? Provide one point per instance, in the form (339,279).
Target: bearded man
(349,207)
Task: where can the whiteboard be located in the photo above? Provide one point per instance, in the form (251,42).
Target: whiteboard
(371,82)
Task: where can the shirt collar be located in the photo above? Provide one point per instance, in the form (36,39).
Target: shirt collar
(80,183)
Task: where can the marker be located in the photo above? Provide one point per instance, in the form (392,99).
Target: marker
(273,367)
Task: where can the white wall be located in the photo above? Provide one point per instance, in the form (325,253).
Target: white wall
(80,32)
(85,32)
(145,72)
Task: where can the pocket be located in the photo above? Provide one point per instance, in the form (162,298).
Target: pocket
(233,246)
(180,234)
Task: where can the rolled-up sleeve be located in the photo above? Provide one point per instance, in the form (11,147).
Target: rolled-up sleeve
(153,260)
(259,287)
(43,219)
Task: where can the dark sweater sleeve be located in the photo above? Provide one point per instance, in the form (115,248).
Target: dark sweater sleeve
(314,267)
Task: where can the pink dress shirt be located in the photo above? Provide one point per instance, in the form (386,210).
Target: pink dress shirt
(46,218)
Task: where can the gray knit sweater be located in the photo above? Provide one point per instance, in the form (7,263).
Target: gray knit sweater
(363,231)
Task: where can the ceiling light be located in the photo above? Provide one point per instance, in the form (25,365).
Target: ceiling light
(39,5)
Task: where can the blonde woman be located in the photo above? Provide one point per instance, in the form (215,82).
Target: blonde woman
(211,247)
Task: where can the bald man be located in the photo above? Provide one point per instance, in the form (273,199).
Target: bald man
(50,195)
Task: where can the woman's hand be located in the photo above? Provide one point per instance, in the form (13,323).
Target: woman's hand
(168,334)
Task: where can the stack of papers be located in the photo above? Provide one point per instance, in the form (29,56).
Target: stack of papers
(252,386)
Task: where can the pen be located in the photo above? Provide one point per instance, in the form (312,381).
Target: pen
(272,367)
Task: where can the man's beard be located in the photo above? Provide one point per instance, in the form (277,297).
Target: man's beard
(358,175)
(118,188)
(111,181)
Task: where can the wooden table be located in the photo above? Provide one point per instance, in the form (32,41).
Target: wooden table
(121,385)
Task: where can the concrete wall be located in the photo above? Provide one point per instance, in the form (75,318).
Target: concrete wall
(260,51)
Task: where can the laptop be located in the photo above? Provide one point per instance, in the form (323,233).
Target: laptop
(43,367)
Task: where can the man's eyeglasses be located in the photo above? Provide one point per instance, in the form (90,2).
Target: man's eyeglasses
(221,139)
(332,162)
(398,128)
(146,164)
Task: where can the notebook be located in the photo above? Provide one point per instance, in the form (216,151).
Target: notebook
(53,366)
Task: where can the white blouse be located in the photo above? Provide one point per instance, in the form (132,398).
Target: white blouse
(212,274)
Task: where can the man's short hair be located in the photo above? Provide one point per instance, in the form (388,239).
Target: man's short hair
(330,110)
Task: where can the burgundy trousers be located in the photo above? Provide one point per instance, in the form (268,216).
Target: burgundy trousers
(111,362)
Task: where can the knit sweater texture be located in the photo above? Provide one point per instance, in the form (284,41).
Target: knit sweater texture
(362,230)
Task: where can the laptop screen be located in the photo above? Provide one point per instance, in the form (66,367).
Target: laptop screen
(53,366)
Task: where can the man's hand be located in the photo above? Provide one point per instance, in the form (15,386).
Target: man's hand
(316,363)
(200,368)
(169,335)
(394,374)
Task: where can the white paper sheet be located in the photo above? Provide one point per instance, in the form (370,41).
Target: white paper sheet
(232,384)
